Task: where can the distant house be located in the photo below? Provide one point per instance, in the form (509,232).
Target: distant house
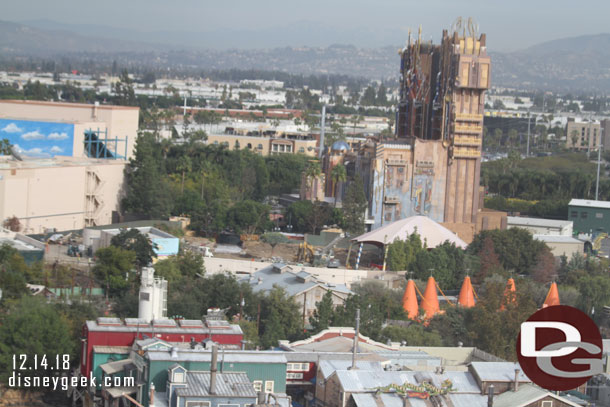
(209,389)
(164,244)
(562,245)
(304,287)
(589,216)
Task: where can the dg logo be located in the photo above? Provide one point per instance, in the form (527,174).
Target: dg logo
(559,348)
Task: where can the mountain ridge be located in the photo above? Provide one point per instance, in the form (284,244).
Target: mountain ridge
(580,63)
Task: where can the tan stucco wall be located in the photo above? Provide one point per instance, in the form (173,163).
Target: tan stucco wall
(230,139)
(559,249)
(53,196)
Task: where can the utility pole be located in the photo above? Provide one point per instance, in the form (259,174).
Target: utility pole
(589,138)
(322,131)
(599,156)
(527,153)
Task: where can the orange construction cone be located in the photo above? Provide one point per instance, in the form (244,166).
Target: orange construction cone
(409,300)
(466,297)
(552,298)
(430,302)
(510,293)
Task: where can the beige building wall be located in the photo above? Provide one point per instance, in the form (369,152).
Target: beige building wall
(567,249)
(264,145)
(588,135)
(61,193)
(121,121)
(314,296)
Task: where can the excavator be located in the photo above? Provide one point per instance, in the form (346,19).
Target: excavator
(305,254)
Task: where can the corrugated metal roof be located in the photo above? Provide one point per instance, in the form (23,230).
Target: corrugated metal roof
(229,384)
(463,382)
(526,395)
(498,371)
(367,380)
(590,203)
(340,344)
(117,366)
(547,223)
(468,400)
(363,380)
(198,355)
(265,278)
(161,399)
(386,400)
(120,350)
(328,367)
(558,239)
(233,329)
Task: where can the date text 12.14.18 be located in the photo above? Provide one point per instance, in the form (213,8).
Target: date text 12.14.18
(41,362)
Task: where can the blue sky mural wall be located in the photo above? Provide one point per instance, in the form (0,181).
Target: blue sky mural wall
(38,139)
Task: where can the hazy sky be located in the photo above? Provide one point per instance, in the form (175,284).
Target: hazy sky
(509,24)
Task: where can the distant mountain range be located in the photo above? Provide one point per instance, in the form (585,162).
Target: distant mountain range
(572,64)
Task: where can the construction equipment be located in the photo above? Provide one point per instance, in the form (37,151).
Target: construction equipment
(597,243)
(248,238)
(305,253)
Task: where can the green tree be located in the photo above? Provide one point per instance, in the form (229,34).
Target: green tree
(273,239)
(354,206)
(323,315)
(312,172)
(249,216)
(32,327)
(338,174)
(147,189)
(513,138)
(320,215)
(498,134)
(280,318)
(113,267)
(516,248)
(5,147)
(413,335)
(594,294)
(123,89)
(498,105)
(299,212)
(574,138)
(446,262)
(14,273)
(402,254)
(184,166)
(133,240)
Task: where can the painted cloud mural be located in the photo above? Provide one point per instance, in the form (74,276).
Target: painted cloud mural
(38,139)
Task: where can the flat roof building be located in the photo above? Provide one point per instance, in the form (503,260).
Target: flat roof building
(589,216)
(68,164)
(538,226)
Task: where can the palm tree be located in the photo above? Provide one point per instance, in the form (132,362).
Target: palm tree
(338,174)
(184,165)
(312,172)
(574,138)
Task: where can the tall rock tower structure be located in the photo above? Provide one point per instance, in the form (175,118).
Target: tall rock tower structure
(440,114)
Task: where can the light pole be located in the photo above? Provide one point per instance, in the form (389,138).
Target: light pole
(241,306)
(527,153)
(599,155)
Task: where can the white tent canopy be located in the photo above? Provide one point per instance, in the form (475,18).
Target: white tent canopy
(434,233)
